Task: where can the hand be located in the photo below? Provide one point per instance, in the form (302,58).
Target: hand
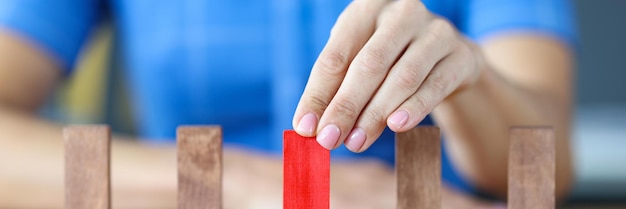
(385,63)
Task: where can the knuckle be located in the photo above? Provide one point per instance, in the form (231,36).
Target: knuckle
(441,29)
(366,6)
(375,116)
(345,108)
(409,77)
(333,63)
(469,54)
(421,104)
(391,35)
(419,6)
(412,6)
(438,83)
(372,63)
(417,65)
(317,102)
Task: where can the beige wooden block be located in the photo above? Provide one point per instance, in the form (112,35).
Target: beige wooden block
(531,168)
(87,167)
(199,167)
(418,168)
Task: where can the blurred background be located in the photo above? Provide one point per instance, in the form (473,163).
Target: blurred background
(97,95)
(600,124)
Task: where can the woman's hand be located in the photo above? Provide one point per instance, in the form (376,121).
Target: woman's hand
(386,63)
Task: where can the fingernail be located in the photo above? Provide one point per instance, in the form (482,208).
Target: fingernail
(307,124)
(398,119)
(329,136)
(356,140)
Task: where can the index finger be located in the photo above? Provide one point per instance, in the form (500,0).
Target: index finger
(352,30)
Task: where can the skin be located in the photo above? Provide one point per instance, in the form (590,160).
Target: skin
(390,63)
(383,58)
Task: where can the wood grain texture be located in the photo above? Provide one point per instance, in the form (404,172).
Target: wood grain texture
(306,173)
(418,168)
(87,167)
(199,167)
(531,168)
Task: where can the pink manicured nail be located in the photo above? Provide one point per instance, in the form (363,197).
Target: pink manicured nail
(356,140)
(329,136)
(307,124)
(398,119)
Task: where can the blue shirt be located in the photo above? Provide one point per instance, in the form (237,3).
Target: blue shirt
(241,64)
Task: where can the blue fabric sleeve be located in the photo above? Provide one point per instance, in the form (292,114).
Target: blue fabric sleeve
(481,19)
(59,27)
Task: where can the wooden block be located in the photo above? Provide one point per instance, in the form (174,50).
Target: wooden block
(531,168)
(418,168)
(87,171)
(306,173)
(199,167)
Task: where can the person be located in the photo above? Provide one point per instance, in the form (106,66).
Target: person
(349,69)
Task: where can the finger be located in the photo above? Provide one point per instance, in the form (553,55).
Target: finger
(366,72)
(402,81)
(443,80)
(352,29)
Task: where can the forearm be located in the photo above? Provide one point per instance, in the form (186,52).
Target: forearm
(25,164)
(476,121)
(31,167)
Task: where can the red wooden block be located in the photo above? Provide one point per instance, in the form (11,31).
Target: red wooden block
(306,177)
